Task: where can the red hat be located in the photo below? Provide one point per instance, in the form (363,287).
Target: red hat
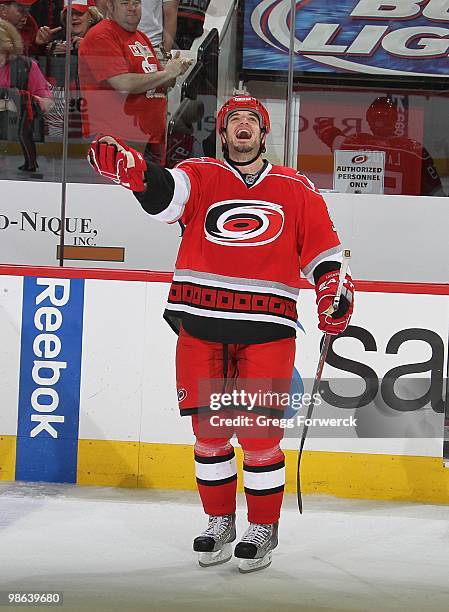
(81,6)
(22,2)
(243,103)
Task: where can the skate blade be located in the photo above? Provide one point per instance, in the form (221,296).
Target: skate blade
(207,559)
(254,565)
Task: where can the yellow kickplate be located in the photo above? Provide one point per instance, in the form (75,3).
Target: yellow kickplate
(107,463)
(7,457)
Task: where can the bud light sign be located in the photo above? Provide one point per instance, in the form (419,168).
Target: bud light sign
(397,38)
(50,376)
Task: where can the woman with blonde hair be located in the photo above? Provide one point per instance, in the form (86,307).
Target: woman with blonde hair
(23,90)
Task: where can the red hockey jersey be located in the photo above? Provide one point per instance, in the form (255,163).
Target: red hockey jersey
(243,247)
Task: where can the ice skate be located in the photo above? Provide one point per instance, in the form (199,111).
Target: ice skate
(256,546)
(214,544)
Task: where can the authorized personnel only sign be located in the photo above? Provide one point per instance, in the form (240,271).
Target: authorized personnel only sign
(359,171)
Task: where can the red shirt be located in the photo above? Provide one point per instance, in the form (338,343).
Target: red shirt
(28,34)
(108,50)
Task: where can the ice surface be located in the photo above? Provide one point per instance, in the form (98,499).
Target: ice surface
(119,549)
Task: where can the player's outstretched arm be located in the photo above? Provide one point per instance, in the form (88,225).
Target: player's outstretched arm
(153,186)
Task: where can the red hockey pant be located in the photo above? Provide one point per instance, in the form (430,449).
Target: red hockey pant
(268,366)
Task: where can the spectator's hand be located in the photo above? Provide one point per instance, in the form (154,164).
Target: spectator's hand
(329,321)
(45,34)
(113,159)
(177,65)
(57,48)
(76,40)
(45,104)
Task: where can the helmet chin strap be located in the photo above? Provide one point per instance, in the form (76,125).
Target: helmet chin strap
(225,148)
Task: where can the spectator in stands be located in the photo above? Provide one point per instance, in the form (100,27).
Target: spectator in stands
(123,83)
(191,15)
(25,91)
(409,168)
(34,38)
(83,17)
(47,12)
(158,22)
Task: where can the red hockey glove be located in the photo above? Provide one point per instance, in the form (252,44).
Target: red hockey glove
(113,159)
(326,131)
(334,322)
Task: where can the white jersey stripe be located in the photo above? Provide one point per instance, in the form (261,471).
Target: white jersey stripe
(334,254)
(216,471)
(175,209)
(264,480)
(239,316)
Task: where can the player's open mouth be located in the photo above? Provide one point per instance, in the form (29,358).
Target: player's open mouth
(243,134)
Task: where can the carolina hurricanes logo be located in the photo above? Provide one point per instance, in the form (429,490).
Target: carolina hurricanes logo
(182,394)
(359,159)
(247,223)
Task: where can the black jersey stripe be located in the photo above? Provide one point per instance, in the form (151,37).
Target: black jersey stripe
(261,492)
(216,483)
(264,468)
(217,459)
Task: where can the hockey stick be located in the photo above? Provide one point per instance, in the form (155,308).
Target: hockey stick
(319,371)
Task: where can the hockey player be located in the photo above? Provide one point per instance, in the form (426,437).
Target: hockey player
(409,167)
(249,229)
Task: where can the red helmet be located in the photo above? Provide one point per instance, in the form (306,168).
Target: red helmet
(382,116)
(243,103)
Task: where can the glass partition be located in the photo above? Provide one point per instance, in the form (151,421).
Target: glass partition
(360,108)
(29,149)
(167,124)
(357,94)
(30,160)
(399,131)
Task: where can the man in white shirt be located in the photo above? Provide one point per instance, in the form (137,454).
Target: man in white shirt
(159,24)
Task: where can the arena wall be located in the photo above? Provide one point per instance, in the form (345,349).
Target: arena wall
(393,238)
(108,358)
